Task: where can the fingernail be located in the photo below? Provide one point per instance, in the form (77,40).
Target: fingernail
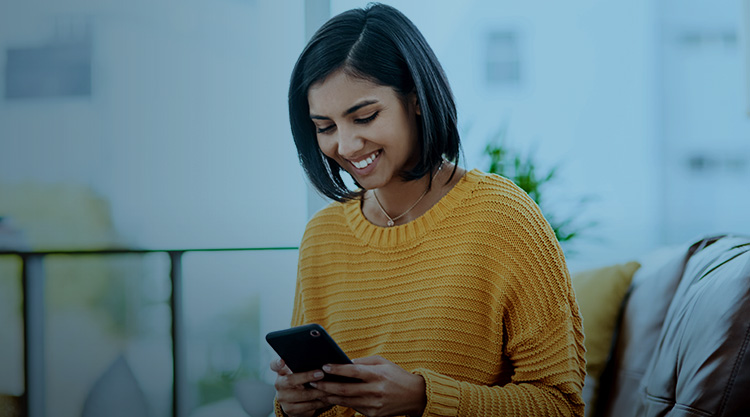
(327,368)
(314,385)
(318,374)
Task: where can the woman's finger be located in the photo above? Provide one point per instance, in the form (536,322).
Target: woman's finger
(371,360)
(345,389)
(280,367)
(299,395)
(308,408)
(359,371)
(362,368)
(298,380)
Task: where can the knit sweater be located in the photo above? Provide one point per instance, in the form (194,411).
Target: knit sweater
(474,296)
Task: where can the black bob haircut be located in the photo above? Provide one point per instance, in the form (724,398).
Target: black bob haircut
(381,45)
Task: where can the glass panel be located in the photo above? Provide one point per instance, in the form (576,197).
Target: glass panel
(232,299)
(107,336)
(11,335)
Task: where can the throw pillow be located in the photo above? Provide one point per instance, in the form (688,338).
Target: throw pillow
(599,293)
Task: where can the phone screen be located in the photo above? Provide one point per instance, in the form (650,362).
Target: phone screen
(309,347)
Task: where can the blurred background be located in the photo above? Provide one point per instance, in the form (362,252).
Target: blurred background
(163,124)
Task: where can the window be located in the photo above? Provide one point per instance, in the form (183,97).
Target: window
(503,59)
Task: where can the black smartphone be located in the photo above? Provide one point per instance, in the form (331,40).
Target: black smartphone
(309,347)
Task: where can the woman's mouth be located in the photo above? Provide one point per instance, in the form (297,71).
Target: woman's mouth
(366,162)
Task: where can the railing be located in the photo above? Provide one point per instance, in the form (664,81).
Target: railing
(32,275)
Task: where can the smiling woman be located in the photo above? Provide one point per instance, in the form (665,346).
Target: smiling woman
(381,64)
(446,286)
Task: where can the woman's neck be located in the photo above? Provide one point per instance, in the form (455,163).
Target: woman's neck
(403,201)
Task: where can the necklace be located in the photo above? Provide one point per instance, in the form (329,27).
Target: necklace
(392,220)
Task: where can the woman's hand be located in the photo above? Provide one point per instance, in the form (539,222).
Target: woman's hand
(295,399)
(386,388)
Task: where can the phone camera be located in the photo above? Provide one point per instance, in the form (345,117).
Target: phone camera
(314,333)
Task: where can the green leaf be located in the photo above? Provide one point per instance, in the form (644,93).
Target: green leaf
(522,170)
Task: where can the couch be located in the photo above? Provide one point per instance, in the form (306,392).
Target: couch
(675,332)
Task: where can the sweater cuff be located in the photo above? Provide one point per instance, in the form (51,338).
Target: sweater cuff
(442,394)
(277,409)
(330,411)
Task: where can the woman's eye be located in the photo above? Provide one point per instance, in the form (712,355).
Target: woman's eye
(367,119)
(325,129)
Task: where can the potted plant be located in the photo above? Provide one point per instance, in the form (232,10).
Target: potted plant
(523,170)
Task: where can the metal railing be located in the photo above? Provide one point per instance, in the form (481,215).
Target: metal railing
(33,280)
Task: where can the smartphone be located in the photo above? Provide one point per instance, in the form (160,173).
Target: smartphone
(309,347)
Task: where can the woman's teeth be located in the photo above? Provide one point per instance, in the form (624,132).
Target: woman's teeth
(365,162)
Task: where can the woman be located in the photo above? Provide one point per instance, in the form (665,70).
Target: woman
(448,286)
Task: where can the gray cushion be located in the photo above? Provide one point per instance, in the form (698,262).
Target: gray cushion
(683,340)
(701,366)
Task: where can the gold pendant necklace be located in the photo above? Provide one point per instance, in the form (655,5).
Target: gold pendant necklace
(392,220)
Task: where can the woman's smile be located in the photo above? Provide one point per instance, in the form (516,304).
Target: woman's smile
(364,163)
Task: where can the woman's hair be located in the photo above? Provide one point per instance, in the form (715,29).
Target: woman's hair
(381,45)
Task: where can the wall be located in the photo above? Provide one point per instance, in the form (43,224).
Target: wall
(586,101)
(185,132)
(704,126)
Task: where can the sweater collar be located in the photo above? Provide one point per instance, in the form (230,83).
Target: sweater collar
(379,236)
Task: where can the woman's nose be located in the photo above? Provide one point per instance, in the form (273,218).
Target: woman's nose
(350,143)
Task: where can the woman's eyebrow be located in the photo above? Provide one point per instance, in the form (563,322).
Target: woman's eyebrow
(349,111)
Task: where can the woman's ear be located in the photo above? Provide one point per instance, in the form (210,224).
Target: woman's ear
(415,102)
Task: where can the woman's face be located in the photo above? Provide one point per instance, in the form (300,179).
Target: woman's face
(369,130)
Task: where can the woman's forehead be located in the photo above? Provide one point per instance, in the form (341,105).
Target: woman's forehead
(339,91)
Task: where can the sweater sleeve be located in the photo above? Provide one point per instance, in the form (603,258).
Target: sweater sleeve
(544,334)
(547,380)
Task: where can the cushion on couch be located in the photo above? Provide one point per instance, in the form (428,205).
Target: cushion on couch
(701,365)
(599,293)
(642,318)
(682,348)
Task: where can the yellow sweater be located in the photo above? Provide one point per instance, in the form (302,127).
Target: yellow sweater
(474,295)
